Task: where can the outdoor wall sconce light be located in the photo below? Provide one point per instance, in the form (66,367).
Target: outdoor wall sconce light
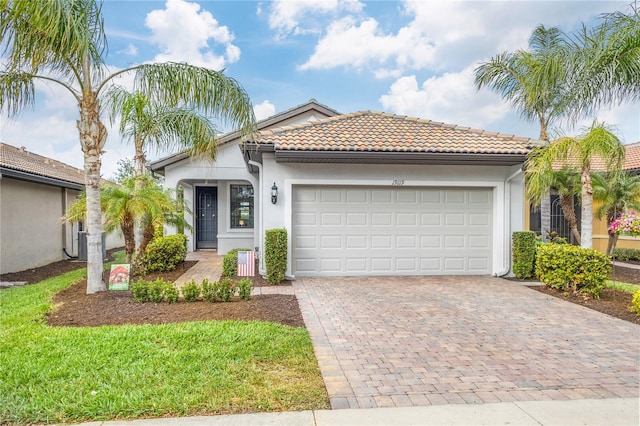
(274,193)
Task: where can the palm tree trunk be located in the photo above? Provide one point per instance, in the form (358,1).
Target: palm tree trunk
(587,209)
(139,161)
(611,246)
(129,239)
(93,136)
(147,236)
(545,202)
(545,217)
(566,202)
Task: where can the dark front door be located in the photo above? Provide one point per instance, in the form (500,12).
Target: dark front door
(206,217)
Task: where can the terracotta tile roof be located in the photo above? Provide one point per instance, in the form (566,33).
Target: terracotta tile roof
(369,131)
(21,160)
(632,157)
(631,160)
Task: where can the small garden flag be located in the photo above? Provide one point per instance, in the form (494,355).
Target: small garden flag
(246,263)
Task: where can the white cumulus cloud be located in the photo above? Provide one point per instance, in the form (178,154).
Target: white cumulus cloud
(300,16)
(184,33)
(264,110)
(450,98)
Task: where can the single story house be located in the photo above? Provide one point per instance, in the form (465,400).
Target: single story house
(35,193)
(600,226)
(365,193)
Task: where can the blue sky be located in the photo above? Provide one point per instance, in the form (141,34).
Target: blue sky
(408,58)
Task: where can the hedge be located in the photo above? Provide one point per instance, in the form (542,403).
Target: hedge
(164,253)
(524,253)
(275,254)
(571,268)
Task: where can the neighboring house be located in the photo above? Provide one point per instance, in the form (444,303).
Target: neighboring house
(600,226)
(35,193)
(366,193)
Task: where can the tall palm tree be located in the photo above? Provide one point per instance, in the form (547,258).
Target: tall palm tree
(617,193)
(533,82)
(605,63)
(63,42)
(126,204)
(157,126)
(577,153)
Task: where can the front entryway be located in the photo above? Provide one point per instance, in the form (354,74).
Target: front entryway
(206,217)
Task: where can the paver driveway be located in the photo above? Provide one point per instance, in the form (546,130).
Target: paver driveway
(404,341)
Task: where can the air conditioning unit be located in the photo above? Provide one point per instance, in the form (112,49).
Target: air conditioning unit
(82,246)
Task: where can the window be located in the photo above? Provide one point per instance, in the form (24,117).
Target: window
(241,206)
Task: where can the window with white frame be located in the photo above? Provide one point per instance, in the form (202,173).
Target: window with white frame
(241,206)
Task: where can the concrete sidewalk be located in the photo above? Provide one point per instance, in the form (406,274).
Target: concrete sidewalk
(621,411)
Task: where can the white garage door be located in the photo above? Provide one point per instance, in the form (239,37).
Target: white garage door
(344,231)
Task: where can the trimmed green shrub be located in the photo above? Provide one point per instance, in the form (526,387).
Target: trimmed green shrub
(155,291)
(164,253)
(171,293)
(635,302)
(191,291)
(626,254)
(225,290)
(230,262)
(244,288)
(209,291)
(275,254)
(524,253)
(570,268)
(139,290)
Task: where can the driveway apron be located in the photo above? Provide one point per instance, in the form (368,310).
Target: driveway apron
(403,341)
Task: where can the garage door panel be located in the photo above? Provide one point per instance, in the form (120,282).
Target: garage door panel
(331,219)
(397,231)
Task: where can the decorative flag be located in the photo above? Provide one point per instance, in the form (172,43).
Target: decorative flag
(246,263)
(119,276)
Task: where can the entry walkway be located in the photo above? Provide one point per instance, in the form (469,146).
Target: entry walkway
(209,267)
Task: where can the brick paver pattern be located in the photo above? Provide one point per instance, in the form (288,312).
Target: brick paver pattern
(402,341)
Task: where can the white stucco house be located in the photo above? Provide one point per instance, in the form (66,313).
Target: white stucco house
(365,193)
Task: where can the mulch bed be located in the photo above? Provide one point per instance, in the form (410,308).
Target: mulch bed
(612,302)
(73,307)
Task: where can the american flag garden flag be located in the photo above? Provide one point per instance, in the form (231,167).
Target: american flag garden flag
(246,263)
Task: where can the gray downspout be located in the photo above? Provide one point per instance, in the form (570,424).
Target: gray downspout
(262,270)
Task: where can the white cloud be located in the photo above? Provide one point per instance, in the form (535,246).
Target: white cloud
(264,110)
(183,32)
(440,36)
(286,15)
(131,50)
(450,98)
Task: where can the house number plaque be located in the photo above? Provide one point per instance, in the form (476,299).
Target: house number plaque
(397,182)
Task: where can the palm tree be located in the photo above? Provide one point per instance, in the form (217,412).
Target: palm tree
(63,42)
(605,63)
(577,153)
(533,83)
(617,193)
(126,204)
(567,184)
(159,127)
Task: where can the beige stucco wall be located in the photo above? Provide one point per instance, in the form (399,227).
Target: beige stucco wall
(31,233)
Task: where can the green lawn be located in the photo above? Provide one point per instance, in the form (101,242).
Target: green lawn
(629,288)
(65,374)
